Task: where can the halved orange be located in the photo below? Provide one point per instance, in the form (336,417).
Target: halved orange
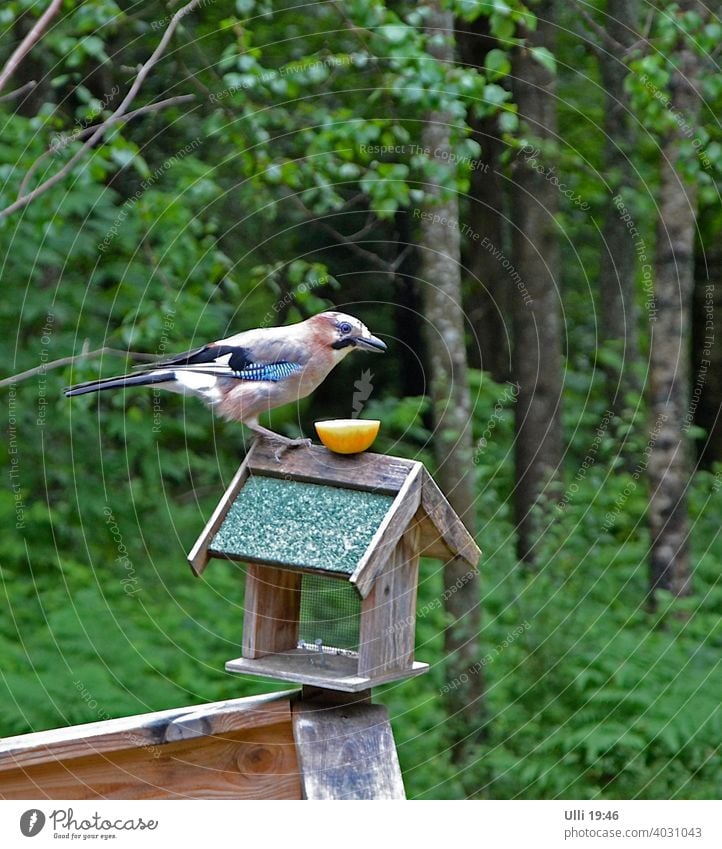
(348,436)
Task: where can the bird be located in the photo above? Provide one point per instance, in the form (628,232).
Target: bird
(254,371)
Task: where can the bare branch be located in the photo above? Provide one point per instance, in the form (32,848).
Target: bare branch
(361,33)
(114,119)
(156,265)
(18,92)
(371,222)
(606,42)
(604,37)
(396,264)
(355,248)
(369,256)
(647,28)
(26,45)
(68,361)
(143,72)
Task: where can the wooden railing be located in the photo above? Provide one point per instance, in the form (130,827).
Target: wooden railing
(276,746)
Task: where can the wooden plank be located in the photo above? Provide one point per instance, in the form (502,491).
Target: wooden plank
(431,544)
(389,532)
(272,610)
(240,749)
(346,752)
(145,730)
(329,672)
(388,613)
(199,554)
(374,472)
(255,764)
(449,526)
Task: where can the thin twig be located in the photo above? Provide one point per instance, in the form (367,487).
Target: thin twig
(355,248)
(361,33)
(401,256)
(204,90)
(193,495)
(156,266)
(143,72)
(605,39)
(371,222)
(67,361)
(18,92)
(647,29)
(602,34)
(114,119)
(26,45)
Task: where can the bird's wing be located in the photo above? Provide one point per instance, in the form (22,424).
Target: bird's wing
(177,359)
(231,361)
(198,356)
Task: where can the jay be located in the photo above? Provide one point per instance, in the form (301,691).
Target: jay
(252,372)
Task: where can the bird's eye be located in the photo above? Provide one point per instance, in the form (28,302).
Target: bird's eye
(344,327)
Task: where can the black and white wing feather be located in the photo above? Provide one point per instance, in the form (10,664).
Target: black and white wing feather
(197,371)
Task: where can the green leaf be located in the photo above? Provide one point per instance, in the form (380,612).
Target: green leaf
(544,57)
(508,122)
(502,27)
(495,94)
(497,63)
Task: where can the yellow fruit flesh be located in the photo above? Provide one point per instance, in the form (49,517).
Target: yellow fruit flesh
(348,436)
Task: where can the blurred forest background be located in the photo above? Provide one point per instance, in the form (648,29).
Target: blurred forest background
(523,200)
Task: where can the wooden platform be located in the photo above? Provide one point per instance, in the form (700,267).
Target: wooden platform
(318,670)
(276,746)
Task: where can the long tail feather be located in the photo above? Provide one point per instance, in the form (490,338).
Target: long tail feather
(119,383)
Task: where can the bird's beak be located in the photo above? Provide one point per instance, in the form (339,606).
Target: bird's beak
(371,343)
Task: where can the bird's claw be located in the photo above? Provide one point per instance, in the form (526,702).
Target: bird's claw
(285,444)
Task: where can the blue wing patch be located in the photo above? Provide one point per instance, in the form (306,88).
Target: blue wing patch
(267,371)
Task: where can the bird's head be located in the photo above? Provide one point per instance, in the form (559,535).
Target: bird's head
(343,333)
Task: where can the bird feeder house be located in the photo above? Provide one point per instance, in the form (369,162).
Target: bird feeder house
(331,548)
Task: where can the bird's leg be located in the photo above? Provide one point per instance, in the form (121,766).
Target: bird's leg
(286,441)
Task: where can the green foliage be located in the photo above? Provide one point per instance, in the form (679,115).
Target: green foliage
(601,699)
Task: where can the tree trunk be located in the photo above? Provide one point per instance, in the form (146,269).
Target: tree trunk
(537,353)
(618,264)
(488,292)
(670,467)
(440,272)
(408,306)
(705,408)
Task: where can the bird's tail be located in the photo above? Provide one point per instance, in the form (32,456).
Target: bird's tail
(119,382)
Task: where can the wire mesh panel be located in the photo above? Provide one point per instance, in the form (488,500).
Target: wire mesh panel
(330,612)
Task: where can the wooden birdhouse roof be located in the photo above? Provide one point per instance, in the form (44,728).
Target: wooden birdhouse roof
(316,511)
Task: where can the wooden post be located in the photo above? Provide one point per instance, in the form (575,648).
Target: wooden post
(346,752)
(272,610)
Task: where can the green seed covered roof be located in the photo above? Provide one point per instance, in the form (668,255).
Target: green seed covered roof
(299,524)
